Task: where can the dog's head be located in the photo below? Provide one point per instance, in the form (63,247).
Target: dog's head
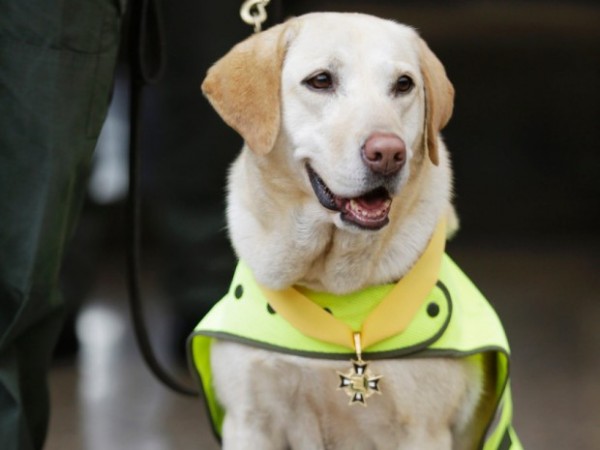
(356,102)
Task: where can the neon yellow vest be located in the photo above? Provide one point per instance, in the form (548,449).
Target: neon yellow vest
(454,321)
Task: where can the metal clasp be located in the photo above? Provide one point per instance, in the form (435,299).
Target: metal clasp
(253,12)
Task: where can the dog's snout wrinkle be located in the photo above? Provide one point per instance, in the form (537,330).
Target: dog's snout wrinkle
(384,153)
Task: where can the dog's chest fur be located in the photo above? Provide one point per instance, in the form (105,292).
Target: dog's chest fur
(293,401)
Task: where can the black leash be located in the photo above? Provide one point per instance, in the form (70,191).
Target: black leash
(146,46)
(147,63)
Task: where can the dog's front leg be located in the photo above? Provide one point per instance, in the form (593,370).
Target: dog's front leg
(246,382)
(242,432)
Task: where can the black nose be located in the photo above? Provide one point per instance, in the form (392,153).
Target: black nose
(384,153)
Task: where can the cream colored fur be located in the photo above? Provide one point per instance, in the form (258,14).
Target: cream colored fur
(278,227)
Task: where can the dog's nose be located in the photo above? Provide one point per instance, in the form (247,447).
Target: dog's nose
(384,153)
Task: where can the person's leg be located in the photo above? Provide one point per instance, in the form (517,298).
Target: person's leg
(55,77)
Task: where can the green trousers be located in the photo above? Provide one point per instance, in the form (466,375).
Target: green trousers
(57,59)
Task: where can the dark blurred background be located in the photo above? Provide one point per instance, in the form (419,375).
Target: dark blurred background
(524,143)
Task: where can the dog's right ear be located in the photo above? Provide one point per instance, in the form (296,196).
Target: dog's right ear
(244,87)
(439,99)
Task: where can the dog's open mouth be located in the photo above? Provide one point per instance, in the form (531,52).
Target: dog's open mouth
(369,211)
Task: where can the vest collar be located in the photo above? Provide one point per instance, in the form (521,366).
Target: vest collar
(377,305)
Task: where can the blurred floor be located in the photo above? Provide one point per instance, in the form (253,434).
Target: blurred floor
(546,292)
(107,398)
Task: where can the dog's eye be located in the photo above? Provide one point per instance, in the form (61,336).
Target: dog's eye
(403,85)
(320,82)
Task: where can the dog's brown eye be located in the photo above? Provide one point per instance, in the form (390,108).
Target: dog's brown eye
(320,81)
(403,85)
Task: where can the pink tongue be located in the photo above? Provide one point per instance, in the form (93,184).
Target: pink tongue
(371,203)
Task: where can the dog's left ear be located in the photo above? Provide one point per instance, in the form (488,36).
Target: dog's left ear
(244,87)
(439,99)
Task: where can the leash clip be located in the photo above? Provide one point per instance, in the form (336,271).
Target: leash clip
(253,12)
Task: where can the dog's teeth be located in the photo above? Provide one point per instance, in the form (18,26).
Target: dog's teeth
(364,213)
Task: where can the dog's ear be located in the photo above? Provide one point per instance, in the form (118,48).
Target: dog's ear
(244,87)
(439,99)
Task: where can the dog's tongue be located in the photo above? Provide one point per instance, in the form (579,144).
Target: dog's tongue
(374,200)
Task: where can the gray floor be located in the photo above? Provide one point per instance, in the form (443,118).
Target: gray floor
(546,291)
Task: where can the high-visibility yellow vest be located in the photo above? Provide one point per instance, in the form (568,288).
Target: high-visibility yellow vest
(454,321)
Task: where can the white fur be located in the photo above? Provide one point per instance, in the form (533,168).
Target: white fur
(277,402)
(280,230)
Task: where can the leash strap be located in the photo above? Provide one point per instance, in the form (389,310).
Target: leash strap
(146,46)
(147,64)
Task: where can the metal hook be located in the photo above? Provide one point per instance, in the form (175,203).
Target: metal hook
(253,12)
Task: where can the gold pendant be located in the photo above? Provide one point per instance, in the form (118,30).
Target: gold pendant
(359,384)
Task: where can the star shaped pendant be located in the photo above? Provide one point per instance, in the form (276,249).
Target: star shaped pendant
(359,384)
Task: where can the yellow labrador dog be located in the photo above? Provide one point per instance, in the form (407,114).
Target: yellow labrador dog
(339,187)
